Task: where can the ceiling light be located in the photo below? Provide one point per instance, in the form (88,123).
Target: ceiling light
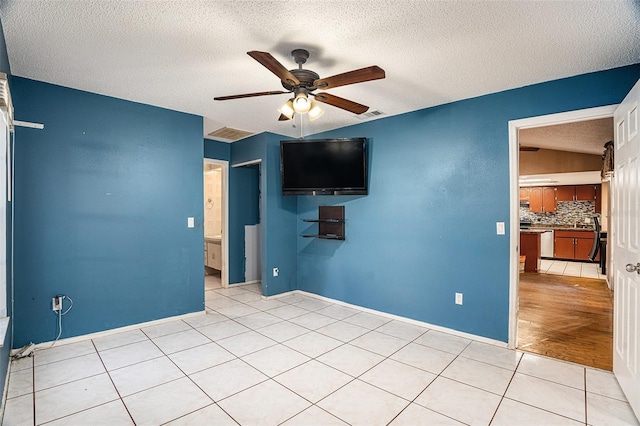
(301,103)
(315,111)
(287,109)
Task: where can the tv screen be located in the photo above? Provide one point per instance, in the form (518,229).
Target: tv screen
(324,166)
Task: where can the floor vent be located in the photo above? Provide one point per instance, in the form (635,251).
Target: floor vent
(229,134)
(369,114)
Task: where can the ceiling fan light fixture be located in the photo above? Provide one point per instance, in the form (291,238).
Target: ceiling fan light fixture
(287,109)
(315,111)
(301,104)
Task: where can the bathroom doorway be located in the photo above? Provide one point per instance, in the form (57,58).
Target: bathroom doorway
(215,228)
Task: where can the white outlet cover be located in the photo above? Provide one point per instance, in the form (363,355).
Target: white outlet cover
(458,298)
(500,228)
(190,222)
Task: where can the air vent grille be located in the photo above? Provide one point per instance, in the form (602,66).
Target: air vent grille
(229,134)
(369,114)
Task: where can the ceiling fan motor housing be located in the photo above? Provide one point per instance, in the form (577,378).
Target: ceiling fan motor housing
(306,78)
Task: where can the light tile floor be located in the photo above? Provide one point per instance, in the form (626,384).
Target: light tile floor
(298,360)
(572,269)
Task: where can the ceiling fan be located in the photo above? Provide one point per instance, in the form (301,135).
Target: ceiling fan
(304,82)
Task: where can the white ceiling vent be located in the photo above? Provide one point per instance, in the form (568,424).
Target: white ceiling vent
(369,114)
(5,98)
(228,134)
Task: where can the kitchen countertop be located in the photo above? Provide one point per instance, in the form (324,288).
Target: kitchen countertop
(561,228)
(534,231)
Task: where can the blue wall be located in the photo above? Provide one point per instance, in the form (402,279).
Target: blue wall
(278,213)
(102,199)
(439,181)
(5,351)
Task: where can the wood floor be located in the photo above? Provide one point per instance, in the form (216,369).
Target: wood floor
(568,318)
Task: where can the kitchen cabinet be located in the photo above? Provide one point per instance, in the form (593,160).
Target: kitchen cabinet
(598,201)
(566,193)
(577,192)
(585,193)
(524,194)
(530,247)
(574,245)
(542,199)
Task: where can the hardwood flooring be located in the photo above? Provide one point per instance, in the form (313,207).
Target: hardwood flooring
(568,318)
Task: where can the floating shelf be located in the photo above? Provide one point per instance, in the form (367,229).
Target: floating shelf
(330,223)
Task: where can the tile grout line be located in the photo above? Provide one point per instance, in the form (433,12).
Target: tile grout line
(112,382)
(506,389)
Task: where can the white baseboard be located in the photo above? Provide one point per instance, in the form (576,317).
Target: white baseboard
(245,283)
(403,319)
(75,339)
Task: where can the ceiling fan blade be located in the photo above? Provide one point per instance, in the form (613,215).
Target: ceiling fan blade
(342,103)
(248,95)
(283,118)
(356,76)
(274,66)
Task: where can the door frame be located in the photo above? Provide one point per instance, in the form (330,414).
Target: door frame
(224,276)
(514,203)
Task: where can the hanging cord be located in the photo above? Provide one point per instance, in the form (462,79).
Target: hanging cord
(60,313)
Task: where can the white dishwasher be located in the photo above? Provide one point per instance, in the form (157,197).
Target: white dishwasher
(546,244)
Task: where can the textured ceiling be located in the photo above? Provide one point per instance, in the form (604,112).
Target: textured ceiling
(587,137)
(180,54)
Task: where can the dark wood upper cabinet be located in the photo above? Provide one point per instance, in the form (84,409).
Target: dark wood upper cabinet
(566,193)
(598,203)
(549,199)
(585,192)
(542,199)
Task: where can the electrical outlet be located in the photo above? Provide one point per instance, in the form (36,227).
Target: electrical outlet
(499,229)
(190,222)
(56,303)
(458,298)
(276,271)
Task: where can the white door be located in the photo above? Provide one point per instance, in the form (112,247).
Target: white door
(626,254)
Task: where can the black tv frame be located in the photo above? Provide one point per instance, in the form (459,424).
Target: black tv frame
(328,191)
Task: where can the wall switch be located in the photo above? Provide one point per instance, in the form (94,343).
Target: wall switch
(500,228)
(276,271)
(458,298)
(190,222)
(56,303)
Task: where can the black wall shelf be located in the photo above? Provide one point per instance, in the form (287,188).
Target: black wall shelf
(330,223)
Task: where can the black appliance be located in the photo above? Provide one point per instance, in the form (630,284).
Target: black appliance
(525,224)
(324,166)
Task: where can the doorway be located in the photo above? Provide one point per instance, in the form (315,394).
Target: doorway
(215,227)
(248,213)
(545,287)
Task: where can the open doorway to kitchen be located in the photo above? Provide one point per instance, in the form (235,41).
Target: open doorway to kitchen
(561,305)
(215,224)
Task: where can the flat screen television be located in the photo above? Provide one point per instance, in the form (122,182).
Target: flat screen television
(324,166)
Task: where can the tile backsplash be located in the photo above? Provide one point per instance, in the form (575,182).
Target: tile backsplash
(568,213)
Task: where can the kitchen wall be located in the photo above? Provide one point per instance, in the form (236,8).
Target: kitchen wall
(551,161)
(212,201)
(568,213)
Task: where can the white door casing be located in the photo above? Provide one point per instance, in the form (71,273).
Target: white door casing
(626,242)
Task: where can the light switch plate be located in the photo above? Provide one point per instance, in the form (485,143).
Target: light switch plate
(190,222)
(500,228)
(458,298)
